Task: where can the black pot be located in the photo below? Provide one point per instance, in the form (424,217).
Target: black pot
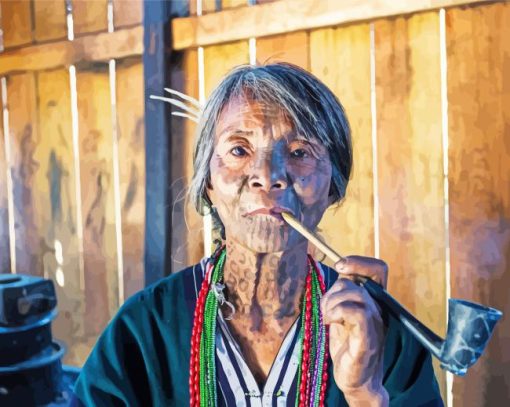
(20,343)
(25,299)
(34,382)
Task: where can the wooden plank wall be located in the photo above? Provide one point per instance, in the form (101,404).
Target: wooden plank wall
(16,23)
(89,16)
(293,48)
(69,223)
(24,143)
(56,179)
(478,54)
(226,4)
(49,19)
(219,59)
(97,191)
(131,148)
(410,165)
(387,74)
(209,6)
(193,221)
(127,13)
(349,79)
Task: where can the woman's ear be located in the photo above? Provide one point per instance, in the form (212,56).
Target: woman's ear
(332,196)
(331,199)
(208,188)
(208,184)
(209,194)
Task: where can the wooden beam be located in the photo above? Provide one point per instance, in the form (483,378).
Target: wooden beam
(157,66)
(286,16)
(89,48)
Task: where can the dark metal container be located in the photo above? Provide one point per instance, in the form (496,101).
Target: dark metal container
(34,382)
(31,371)
(19,343)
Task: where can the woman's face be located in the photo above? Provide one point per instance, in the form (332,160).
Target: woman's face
(260,167)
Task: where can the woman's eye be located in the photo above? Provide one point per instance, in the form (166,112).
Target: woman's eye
(239,151)
(299,153)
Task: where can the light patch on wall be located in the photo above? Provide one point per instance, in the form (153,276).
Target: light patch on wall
(116,183)
(59,257)
(207,219)
(70,22)
(77,179)
(373,108)
(444,128)
(10,197)
(110,16)
(59,276)
(252,44)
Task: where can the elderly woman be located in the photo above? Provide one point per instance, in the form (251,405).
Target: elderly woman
(260,322)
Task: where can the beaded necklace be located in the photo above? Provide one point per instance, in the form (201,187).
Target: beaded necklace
(313,339)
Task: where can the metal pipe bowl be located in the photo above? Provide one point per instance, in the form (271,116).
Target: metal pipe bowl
(470,326)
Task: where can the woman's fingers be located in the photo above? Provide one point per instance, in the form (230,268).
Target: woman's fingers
(356,327)
(342,285)
(370,267)
(347,303)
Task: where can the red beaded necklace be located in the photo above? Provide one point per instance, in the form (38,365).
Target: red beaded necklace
(313,338)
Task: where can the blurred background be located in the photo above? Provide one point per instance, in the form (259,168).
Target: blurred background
(94,173)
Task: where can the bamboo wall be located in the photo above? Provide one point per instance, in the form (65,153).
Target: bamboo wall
(430,192)
(72,179)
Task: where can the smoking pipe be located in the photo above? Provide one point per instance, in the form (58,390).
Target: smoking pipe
(470,325)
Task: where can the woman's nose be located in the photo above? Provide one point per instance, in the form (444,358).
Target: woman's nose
(268,172)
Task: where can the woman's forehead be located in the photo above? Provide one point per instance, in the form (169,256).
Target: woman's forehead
(244,116)
(240,108)
(240,114)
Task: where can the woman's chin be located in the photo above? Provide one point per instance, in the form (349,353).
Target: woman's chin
(275,242)
(269,239)
(263,245)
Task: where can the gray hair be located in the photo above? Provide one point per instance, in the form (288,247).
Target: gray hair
(313,109)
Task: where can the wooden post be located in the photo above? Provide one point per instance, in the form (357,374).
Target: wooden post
(156,61)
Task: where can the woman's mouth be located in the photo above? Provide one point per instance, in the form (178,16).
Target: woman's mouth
(275,212)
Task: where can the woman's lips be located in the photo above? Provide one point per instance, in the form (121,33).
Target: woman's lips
(275,211)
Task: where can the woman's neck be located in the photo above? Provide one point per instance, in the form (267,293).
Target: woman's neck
(265,287)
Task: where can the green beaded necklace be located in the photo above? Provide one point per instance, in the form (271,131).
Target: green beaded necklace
(313,340)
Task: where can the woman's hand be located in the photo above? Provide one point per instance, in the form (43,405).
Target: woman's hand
(356,337)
